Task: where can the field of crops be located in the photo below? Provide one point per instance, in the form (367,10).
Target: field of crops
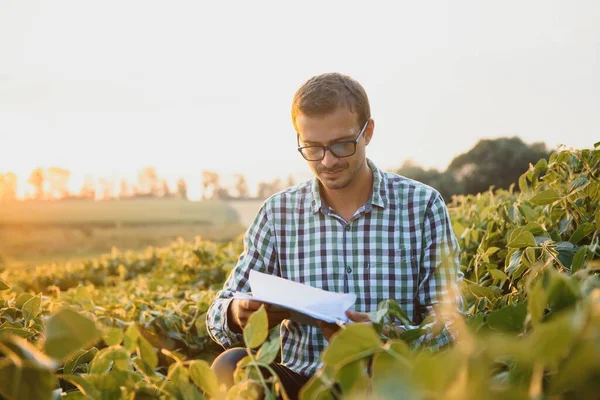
(34,232)
(132,325)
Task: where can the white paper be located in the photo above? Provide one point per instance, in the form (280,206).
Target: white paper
(305,303)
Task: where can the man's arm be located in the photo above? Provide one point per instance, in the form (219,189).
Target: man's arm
(440,274)
(259,254)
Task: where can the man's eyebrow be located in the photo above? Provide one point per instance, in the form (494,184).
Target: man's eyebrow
(342,139)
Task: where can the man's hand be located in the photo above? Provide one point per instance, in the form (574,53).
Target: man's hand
(240,310)
(329,329)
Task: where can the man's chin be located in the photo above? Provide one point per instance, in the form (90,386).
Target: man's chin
(333,183)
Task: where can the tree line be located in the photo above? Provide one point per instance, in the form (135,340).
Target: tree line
(52,183)
(491,162)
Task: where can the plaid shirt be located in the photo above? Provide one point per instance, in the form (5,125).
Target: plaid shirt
(390,249)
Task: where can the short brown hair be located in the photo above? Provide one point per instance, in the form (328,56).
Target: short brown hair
(324,93)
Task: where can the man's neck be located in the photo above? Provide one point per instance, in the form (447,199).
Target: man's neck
(347,200)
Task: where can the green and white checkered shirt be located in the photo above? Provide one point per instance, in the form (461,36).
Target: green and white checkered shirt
(390,249)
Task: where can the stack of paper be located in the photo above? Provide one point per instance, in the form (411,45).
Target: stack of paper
(305,303)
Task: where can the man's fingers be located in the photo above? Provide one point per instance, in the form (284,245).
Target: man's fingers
(251,305)
(328,329)
(357,316)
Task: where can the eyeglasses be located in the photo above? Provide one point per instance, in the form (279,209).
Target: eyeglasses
(338,149)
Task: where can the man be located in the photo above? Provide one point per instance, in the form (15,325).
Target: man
(352,229)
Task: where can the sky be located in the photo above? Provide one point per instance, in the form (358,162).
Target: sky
(106,88)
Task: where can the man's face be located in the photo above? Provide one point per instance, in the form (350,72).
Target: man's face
(341,125)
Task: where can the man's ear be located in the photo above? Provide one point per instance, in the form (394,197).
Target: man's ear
(369,131)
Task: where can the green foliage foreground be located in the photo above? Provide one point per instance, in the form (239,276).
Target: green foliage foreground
(131,325)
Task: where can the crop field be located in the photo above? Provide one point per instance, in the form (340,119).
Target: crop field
(35,232)
(131,324)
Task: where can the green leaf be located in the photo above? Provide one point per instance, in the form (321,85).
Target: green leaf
(84,298)
(527,212)
(107,357)
(26,381)
(146,352)
(20,332)
(566,251)
(353,378)
(597,217)
(396,311)
(80,357)
(508,319)
(580,366)
(352,342)
(270,349)
(562,292)
(536,303)
(316,388)
(535,229)
(582,232)
(523,239)
(491,250)
(3,286)
(579,259)
(257,329)
(22,299)
(542,165)
(391,376)
(483,292)
(497,274)
(130,340)
(513,261)
(112,336)
(31,308)
(85,387)
(67,331)
(578,184)
(523,182)
(551,341)
(545,197)
(204,377)
(597,144)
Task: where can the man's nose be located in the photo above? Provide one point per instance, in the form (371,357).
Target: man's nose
(329,160)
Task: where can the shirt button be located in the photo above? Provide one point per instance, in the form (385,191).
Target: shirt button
(348,227)
(348,269)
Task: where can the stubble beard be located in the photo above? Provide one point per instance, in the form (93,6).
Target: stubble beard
(343,181)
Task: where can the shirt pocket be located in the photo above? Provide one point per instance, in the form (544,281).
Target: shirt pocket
(391,275)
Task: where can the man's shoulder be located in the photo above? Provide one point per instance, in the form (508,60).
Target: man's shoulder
(290,196)
(400,183)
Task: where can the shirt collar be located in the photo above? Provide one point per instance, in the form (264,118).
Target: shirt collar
(378,198)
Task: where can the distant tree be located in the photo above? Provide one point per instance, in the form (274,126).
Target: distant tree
(222,194)
(36,179)
(165,191)
(290,181)
(107,186)
(125,189)
(497,162)
(210,185)
(8,187)
(57,180)
(241,187)
(266,189)
(147,182)
(182,189)
(88,190)
(443,182)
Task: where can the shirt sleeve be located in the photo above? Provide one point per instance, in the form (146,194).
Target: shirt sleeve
(259,254)
(440,274)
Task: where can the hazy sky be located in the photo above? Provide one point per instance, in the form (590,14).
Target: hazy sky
(108,87)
